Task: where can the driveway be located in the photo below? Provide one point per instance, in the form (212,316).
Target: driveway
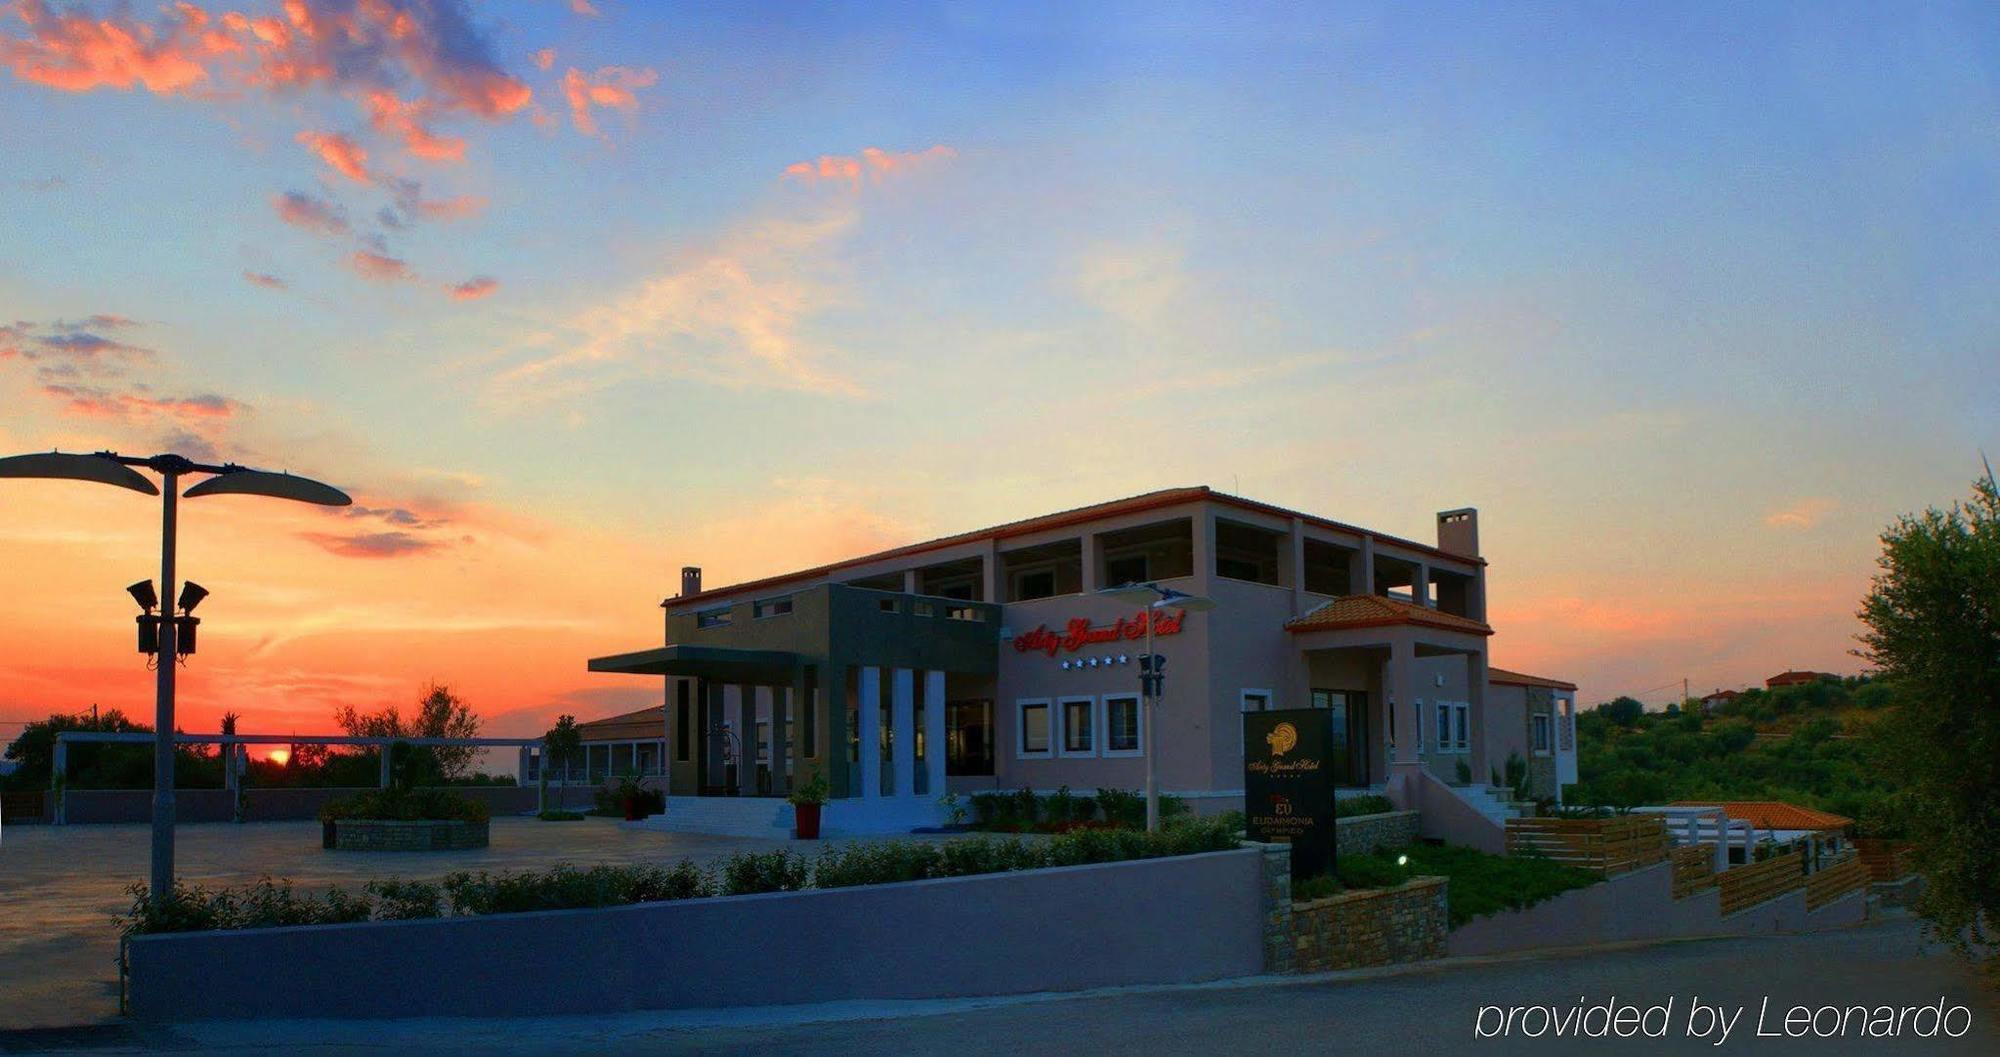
(60,887)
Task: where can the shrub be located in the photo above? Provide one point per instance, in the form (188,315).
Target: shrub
(553,815)
(965,858)
(564,887)
(881,862)
(1232,820)
(406,805)
(1124,808)
(769,871)
(265,904)
(1315,888)
(987,808)
(399,900)
(1371,804)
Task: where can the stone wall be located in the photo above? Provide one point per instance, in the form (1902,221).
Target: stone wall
(1362,834)
(359,834)
(1380,926)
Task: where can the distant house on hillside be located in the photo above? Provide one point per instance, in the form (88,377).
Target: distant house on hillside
(1798,679)
(1718,699)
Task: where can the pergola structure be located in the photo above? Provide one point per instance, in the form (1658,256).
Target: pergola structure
(232,743)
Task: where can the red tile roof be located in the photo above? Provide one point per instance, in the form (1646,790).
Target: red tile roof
(1373,611)
(1795,678)
(1113,508)
(1773,814)
(1505,677)
(1723,695)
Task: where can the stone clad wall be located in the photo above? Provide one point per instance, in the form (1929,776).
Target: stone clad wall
(1379,926)
(354,834)
(1362,834)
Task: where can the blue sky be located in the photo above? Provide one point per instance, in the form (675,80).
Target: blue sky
(1689,300)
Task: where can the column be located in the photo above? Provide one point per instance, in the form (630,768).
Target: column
(831,745)
(746,740)
(781,749)
(388,751)
(1296,547)
(699,731)
(1201,530)
(903,730)
(1093,563)
(1420,585)
(989,572)
(910,583)
(1401,680)
(59,781)
(1475,697)
(868,710)
(934,735)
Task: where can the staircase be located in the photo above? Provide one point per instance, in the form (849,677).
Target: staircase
(1482,800)
(731,816)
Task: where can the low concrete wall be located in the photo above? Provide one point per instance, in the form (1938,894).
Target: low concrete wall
(370,834)
(1640,906)
(1443,816)
(1362,834)
(280,805)
(1377,926)
(1152,921)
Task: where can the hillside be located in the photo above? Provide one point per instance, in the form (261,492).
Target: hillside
(1810,745)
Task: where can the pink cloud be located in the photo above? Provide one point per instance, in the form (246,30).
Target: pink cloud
(312,214)
(339,152)
(873,164)
(265,280)
(458,207)
(76,52)
(1803,514)
(584,8)
(380,268)
(544,59)
(409,123)
(371,544)
(92,402)
(610,86)
(475,288)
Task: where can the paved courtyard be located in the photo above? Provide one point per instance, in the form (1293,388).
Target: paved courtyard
(60,886)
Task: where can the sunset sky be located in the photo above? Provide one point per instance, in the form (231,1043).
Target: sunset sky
(1690,303)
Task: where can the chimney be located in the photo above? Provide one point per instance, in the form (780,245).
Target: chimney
(1458,532)
(690,580)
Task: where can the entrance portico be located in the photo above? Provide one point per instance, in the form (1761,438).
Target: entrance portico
(1421,714)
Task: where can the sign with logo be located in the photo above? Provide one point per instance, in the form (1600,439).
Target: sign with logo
(1080,632)
(1288,784)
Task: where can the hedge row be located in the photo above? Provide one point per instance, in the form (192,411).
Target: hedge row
(270,903)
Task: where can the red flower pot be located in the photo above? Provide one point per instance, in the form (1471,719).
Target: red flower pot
(805,820)
(633,813)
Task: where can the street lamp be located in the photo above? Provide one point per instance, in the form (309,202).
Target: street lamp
(1153,600)
(111,468)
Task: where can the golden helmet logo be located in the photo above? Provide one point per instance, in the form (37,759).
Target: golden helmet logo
(1283,738)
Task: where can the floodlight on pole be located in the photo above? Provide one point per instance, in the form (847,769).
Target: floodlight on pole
(1154,599)
(161,632)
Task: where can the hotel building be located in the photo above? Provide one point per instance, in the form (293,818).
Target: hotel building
(988,660)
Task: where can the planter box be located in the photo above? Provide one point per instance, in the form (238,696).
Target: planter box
(1377,926)
(360,834)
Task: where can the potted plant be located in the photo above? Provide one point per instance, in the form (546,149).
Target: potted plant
(807,800)
(634,798)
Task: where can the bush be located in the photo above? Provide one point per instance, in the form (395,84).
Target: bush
(768,871)
(877,863)
(1371,804)
(265,904)
(406,805)
(553,815)
(564,887)
(398,900)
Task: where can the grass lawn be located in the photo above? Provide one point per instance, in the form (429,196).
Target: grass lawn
(1481,884)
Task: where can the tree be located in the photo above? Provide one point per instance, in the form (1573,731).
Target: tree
(1624,711)
(1933,620)
(440,714)
(35,747)
(562,744)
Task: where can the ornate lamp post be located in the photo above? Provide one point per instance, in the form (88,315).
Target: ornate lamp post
(111,468)
(1154,599)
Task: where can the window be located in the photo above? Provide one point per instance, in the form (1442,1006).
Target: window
(923,609)
(1540,723)
(968,735)
(1129,569)
(1256,700)
(1454,726)
(712,618)
(1079,726)
(1123,735)
(1033,729)
(649,758)
(886,605)
(773,607)
(1040,583)
(621,759)
(1237,568)
(763,740)
(683,716)
(965,613)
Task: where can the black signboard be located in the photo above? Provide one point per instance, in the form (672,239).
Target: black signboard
(1288,784)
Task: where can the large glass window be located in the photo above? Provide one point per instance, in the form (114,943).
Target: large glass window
(1079,727)
(1033,732)
(649,757)
(1122,718)
(621,758)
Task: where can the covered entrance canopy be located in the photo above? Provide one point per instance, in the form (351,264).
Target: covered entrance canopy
(718,664)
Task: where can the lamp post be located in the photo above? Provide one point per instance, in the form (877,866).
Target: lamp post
(1153,600)
(111,468)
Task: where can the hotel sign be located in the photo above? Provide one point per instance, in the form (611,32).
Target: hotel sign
(1080,632)
(1288,784)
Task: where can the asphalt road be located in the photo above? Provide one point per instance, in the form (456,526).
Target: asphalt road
(1882,963)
